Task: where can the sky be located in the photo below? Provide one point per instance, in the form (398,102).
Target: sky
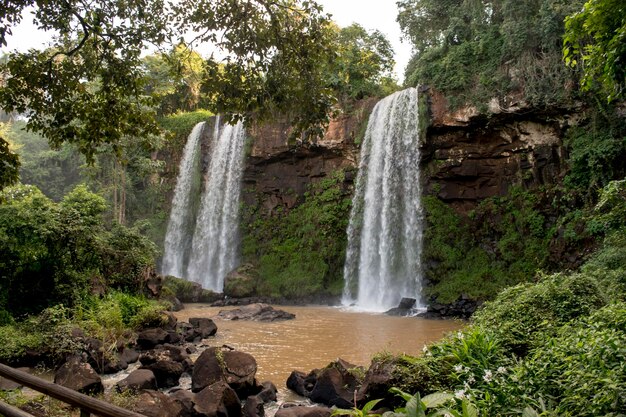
(371,14)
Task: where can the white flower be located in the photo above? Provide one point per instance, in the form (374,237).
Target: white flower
(501,370)
(425,349)
(460,335)
(488,375)
(471,379)
(460,394)
(458,368)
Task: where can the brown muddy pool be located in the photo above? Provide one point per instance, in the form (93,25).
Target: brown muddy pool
(319,335)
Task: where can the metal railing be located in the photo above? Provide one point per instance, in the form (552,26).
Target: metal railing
(86,404)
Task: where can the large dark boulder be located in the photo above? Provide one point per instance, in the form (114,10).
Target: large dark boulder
(301,383)
(218,400)
(157,404)
(137,380)
(167,363)
(336,385)
(253,407)
(204,325)
(405,308)
(302,411)
(268,392)
(149,338)
(256,312)
(236,368)
(378,380)
(78,376)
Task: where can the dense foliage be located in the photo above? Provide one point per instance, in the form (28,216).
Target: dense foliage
(595,40)
(552,347)
(301,251)
(57,252)
(475,50)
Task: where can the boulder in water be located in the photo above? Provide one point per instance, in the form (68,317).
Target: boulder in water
(405,308)
(139,379)
(236,368)
(218,400)
(256,312)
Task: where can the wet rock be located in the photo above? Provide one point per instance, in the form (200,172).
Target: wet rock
(405,308)
(256,312)
(157,404)
(303,411)
(137,380)
(236,368)
(129,355)
(149,338)
(301,383)
(336,384)
(218,400)
(378,380)
(206,326)
(79,376)
(168,364)
(268,392)
(187,400)
(253,407)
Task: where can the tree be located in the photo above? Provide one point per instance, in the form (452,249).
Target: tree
(474,50)
(88,87)
(363,63)
(595,40)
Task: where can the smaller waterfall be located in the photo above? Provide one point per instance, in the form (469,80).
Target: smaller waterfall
(181,220)
(215,240)
(385,232)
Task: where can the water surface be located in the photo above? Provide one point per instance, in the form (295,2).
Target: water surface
(319,335)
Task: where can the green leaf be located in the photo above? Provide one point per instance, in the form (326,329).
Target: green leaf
(529,412)
(370,405)
(437,399)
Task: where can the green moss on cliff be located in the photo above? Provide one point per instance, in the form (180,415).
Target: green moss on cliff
(301,251)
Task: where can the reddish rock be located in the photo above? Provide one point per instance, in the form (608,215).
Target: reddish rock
(237,369)
(137,380)
(157,404)
(78,376)
(218,400)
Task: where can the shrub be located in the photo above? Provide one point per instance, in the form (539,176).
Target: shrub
(522,315)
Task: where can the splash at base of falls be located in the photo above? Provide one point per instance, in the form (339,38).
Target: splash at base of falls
(385,231)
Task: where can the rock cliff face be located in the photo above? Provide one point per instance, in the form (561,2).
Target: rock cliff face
(468,156)
(278,172)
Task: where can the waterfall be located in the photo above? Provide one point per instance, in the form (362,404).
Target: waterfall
(214,245)
(181,220)
(385,230)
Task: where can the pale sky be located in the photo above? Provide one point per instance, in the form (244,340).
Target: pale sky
(371,14)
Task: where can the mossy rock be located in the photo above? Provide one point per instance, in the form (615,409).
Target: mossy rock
(241,282)
(189,292)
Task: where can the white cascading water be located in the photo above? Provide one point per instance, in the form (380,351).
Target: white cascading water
(215,240)
(385,230)
(181,221)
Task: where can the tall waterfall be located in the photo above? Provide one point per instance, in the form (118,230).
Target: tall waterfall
(385,230)
(201,243)
(182,220)
(215,241)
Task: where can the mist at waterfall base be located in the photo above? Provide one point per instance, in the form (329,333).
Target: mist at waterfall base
(385,229)
(213,222)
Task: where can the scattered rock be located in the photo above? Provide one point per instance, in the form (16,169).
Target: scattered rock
(236,368)
(189,292)
(268,392)
(139,379)
(129,355)
(302,411)
(157,404)
(301,383)
(256,312)
(218,400)
(378,380)
(405,308)
(168,364)
(335,386)
(78,376)
(149,338)
(253,407)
